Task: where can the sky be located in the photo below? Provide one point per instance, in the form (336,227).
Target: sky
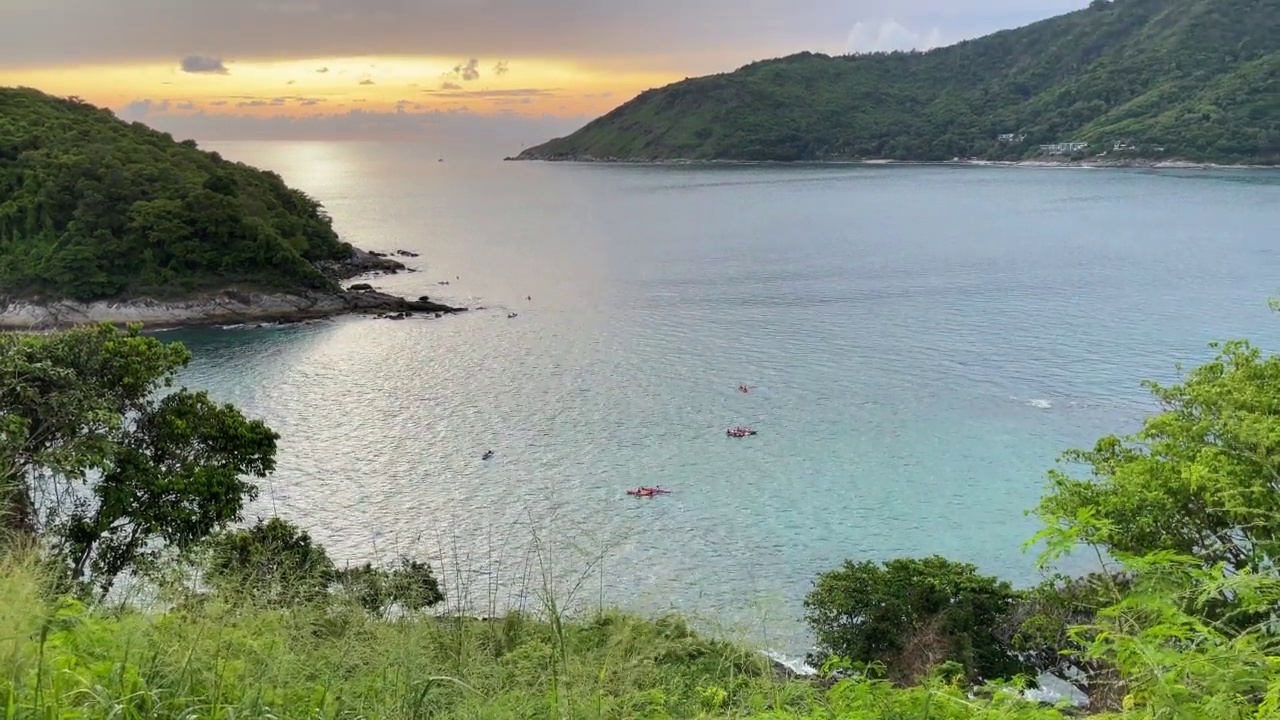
(515,71)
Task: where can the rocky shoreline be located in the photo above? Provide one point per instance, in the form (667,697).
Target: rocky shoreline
(231,307)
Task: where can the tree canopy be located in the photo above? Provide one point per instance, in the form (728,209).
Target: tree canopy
(92,207)
(276,564)
(1190,79)
(911,615)
(108,464)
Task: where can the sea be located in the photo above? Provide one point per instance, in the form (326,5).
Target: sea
(920,344)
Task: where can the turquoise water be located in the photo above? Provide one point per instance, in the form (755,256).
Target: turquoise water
(924,342)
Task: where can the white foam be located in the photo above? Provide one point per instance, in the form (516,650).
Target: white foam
(1040,403)
(795,665)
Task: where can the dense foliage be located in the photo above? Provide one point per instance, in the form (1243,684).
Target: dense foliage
(912,615)
(275,564)
(104,464)
(1190,79)
(93,207)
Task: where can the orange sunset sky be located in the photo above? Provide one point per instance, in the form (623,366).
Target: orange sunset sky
(316,85)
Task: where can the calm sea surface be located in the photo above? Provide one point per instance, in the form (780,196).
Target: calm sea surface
(923,342)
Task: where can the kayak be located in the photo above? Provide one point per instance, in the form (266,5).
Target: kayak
(648,491)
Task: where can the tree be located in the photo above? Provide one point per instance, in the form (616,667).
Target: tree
(912,615)
(277,564)
(103,466)
(1201,479)
(272,562)
(409,583)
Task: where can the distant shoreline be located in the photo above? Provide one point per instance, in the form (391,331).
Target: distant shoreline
(1130,164)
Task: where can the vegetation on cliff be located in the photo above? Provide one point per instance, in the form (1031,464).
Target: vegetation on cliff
(100,476)
(1188,79)
(92,207)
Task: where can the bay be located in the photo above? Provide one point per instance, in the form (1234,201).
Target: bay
(923,342)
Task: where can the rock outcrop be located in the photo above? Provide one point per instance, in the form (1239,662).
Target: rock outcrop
(231,307)
(224,308)
(361,262)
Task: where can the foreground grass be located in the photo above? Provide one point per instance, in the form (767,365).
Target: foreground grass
(63,660)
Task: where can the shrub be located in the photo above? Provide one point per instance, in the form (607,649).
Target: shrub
(912,615)
(276,564)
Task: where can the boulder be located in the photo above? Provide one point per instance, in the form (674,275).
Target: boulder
(374,301)
(359,262)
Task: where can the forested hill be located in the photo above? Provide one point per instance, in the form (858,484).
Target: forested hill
(92,207)
(1189,79)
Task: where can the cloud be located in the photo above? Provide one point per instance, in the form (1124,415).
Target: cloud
(291,82)
(487,94)
(202,65)
(140,109)
(447,86)
(253,101)
(501,68)
(467,71)
(322,70)
(188,105)
(367,81)
(889,35)
(288,8)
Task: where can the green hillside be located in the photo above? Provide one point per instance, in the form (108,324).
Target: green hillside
(1189,79)
(92,207)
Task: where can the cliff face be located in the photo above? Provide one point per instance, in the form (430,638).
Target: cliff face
(1157,79)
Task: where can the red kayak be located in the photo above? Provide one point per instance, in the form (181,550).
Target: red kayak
(648,491)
